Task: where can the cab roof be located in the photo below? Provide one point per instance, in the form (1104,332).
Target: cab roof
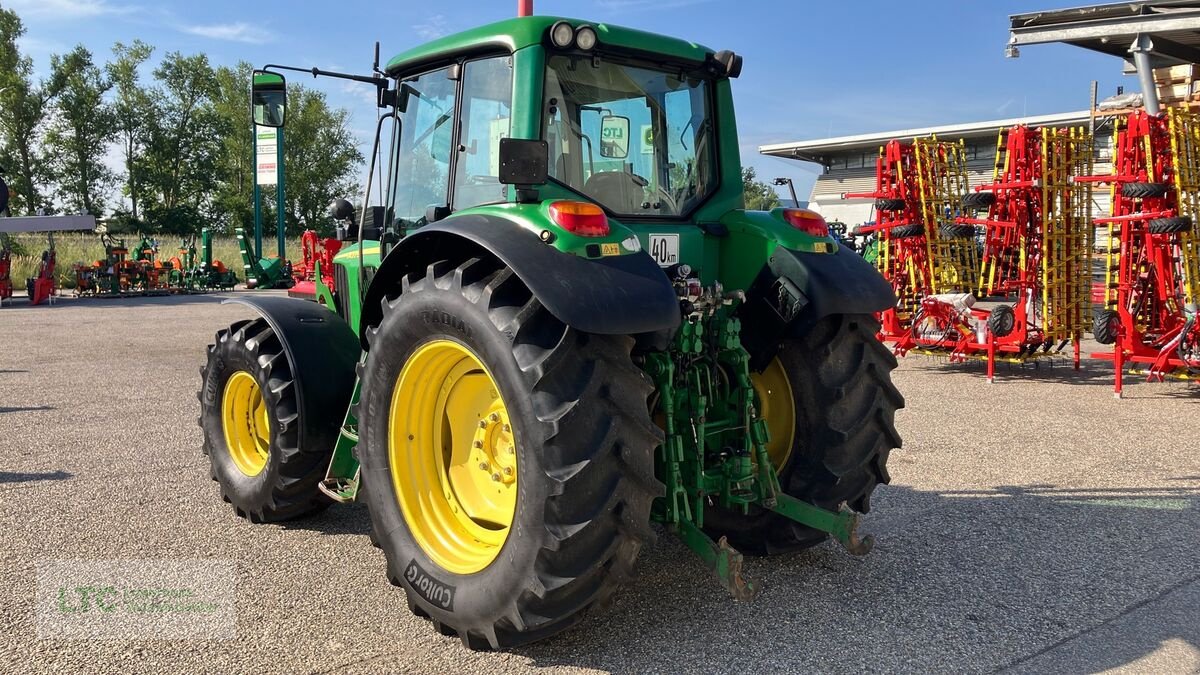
(517,33)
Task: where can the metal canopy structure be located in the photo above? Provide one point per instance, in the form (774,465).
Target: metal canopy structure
(47,223)
(1146,35)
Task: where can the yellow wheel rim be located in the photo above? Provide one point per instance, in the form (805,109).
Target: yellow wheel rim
(778,408)
(246,423)
(453,457)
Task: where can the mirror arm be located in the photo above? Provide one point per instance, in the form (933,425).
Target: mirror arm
(378,81)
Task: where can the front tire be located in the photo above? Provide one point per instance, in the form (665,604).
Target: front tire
(251,420)
(843,405)
(571,405)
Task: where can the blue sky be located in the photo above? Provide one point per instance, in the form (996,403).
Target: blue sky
(812,69)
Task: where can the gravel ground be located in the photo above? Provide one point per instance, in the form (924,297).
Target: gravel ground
(1032,525)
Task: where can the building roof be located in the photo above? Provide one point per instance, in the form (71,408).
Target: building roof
(818,149)
(1111,28)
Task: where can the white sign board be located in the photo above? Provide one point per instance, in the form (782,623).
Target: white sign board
(266,140)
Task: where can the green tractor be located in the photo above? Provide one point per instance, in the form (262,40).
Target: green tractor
(559,327)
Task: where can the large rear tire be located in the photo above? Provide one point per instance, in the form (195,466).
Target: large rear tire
(843,428)
(251,421)
(467,368)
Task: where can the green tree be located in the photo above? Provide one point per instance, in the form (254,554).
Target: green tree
(320,157)
(233,201)
(178,170)
(133,111)
(80,133)
(760,196)
(23,108)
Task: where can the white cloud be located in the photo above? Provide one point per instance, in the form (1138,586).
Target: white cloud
(234,32)
(67,9)
(432,28)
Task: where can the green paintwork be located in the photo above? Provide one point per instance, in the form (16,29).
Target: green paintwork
(351,294)
(515,34)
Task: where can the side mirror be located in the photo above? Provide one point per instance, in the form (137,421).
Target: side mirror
(268,98)
(614,137)
(523,162)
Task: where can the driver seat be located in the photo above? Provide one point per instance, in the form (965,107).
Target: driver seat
(619,191)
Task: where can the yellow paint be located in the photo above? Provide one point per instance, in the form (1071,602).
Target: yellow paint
(453,457)
(246,424)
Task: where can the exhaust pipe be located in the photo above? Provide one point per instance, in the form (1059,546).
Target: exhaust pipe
(524,7)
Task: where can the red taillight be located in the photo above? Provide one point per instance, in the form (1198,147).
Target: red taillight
(808,222)
(581,218)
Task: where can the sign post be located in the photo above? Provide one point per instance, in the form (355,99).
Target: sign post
(268,170)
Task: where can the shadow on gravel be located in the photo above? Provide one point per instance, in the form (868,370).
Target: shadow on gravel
(33,477)
(25,408)
(4,371)
(338,519)
(1016,577)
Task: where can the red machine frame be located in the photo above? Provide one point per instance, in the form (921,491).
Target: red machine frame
(1153,274)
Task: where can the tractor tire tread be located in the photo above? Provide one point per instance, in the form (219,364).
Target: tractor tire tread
(598,455)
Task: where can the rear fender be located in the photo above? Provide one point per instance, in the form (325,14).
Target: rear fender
(795,290)
(321,351)
(616,295)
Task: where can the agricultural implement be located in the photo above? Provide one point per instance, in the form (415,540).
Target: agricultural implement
(195,271)
(1153,259)
(6,287)
(567,327)
(263,272)
(314,278)
(43,285)
(917,244)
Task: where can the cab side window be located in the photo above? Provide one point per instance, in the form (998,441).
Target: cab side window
(423,159)
(486,118)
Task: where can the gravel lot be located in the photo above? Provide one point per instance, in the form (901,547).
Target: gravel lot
(1032,525)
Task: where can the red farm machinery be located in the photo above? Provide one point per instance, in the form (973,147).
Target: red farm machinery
(1152,275)
(316,265)
(1031,267)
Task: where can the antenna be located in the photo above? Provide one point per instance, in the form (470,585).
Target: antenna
(375,66)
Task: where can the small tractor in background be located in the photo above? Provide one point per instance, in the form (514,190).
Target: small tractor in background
(1152,287)
(559,326)
(316,265)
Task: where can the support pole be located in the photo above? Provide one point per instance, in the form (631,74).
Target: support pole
(1141,48)
(281,223)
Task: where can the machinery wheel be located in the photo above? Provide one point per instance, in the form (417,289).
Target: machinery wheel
(830,408)
(907,231)
(1106,326)
(251,423)
(955,231)
(978,200)
(1169,225)
(857,231)
(510,458)
(1002,320)
(889,204)
(1144,190)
